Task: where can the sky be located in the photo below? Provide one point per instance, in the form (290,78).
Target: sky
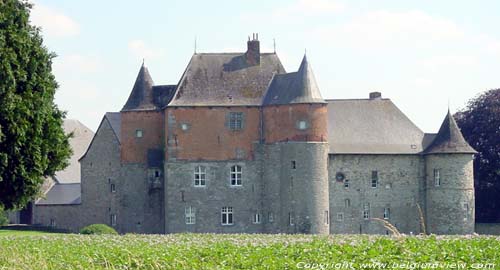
(424,55)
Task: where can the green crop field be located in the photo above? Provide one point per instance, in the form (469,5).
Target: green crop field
(246,251)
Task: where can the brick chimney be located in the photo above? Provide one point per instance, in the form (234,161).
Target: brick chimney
(375,95)
(253,50)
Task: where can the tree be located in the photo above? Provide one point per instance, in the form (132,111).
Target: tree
(480,125)
(33,144)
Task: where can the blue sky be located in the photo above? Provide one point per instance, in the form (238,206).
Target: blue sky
(421,54)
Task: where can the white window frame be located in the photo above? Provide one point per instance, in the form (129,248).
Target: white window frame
(366,211)
(112,220)
(227,217)
(112,187)
(139,133)
(235,121)
(437,177)
(257,219)
(387,213)
(291,218)
(340,217)
(200,176)
(235,175)
(190,215)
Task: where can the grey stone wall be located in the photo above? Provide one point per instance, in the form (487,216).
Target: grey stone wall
(66,217)
(400,179)
(100,168)
(304,187)
(450,206)
(208,201)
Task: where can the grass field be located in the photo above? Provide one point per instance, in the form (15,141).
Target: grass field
(244,251)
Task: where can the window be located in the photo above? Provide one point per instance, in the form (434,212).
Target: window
(327,217)
(190,215)
(340,217)
(347,203)
(437,177)
(184,126)
(291,218)
(270,217)
(138,133)
(113,188)
(366,211)
(340,177)
(302,125)
(236,175)
(256,218)
(346,183)
(112,219)
(294,164)
(236,120)
(227,215)
(200,176)
(466,209)
(387,213)
(52,222)
(374,179)
(388,186)
(157,173)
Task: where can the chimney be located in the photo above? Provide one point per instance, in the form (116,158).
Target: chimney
(253,50)
(375,95)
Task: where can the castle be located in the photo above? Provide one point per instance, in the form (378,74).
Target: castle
(239,145)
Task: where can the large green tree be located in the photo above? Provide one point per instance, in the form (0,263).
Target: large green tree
(33,144)
(480,125)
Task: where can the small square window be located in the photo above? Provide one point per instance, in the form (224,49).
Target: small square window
(340,217)
(346,183)
(138,133)
(302,125)
(184,126)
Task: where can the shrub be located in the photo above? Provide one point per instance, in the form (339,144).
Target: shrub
(4,220)
(98,229)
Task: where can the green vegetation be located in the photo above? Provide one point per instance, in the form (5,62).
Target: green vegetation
(211,251)
(33,144)
(98,229)
(7,232)
(3,217)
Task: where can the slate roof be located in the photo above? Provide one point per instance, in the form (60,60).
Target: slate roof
(294,87)
(82,137)
(62,194)
(163,94)
(449,139)
(371,126)
(141,97)
(115,121)
(225,79)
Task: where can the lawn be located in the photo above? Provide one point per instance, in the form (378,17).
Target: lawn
(245,251)
(20,232)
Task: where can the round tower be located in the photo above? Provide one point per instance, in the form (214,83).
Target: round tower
(295,124)
(449,182)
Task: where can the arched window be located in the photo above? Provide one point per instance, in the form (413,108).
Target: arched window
(236,175)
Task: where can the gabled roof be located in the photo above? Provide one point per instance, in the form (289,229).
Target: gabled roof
(62,194)
(449,139)
(294,87)
(81,139)
(225,79)
(115,121)
(371,126)
(141,97)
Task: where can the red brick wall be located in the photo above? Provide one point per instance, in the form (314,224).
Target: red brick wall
(280,123)
(208,136)
(134,150)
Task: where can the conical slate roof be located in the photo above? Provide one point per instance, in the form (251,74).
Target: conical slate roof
(294,87)
(449,139)
(141,97)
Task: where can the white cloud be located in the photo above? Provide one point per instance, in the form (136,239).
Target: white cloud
(139,49)
(54,23)
(382,29)
(297,11)
(78,63)
(441,63)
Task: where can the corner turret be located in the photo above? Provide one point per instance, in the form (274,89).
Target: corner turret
(141,97)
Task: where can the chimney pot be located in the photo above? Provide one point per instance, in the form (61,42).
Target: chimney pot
(375,95)
(253,51)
